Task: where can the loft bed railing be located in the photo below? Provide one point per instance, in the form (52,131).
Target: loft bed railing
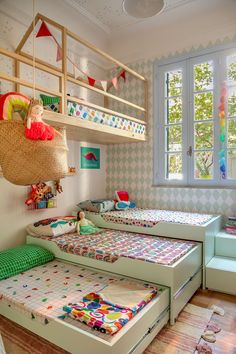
(77,128)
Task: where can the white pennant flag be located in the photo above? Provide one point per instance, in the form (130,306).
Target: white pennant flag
(76,72)
(104,85)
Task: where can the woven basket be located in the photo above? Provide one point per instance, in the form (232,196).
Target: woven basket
(24,161)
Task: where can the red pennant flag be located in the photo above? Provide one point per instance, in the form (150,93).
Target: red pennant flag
(115,82)
(59,53)
(43,31)
(91,81)
(123,74)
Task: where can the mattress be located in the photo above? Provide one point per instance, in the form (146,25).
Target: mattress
(86,113)
(41,292)
(110,245)
(151,217)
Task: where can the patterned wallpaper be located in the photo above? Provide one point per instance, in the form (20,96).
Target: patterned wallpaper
(130,167)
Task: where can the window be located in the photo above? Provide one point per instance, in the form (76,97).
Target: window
(195,119)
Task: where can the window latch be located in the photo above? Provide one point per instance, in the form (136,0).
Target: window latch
(190,151)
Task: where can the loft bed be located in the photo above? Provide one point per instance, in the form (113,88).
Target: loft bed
(90,122)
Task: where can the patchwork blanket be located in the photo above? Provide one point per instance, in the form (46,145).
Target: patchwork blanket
(151,217)
(109,245)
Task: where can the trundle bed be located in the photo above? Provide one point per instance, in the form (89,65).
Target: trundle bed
(35,298)
(173,263)
(175,224)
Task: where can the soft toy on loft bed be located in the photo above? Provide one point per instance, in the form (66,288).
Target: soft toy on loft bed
(36,129)
(123,201)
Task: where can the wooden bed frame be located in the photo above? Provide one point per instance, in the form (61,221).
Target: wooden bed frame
(133,338)
(78,129)
(183,277)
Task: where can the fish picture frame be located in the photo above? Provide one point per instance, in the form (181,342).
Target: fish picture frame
(89,158)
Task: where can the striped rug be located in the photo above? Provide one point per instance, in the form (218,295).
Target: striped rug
(181,338)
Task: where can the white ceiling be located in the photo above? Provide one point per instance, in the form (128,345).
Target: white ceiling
(109,14)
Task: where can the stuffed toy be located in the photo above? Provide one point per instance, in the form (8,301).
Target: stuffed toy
(39,191)
(85,226)
(123,201)
(36,129)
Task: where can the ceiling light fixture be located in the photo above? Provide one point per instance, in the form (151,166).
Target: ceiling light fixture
(143,8)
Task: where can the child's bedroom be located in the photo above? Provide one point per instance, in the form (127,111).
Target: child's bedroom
(118,176)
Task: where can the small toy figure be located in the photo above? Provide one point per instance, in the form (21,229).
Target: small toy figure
(123,201)
(85,226)
(36,129)
(58,187)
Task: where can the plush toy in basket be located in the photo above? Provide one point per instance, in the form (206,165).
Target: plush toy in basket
(123,201)
(25,161)
(36,129)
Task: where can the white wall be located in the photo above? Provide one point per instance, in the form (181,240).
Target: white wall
(15,17)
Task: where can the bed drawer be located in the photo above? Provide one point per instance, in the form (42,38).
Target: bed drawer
(133,338)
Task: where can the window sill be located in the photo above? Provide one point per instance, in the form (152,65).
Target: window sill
(165,186)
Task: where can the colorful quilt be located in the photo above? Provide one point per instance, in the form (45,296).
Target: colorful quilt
(42,292)
(108,316)
(108,245)
(150,217)
(86,113)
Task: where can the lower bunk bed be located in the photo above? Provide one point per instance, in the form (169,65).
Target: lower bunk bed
(36,299)
(176,264)
(168,223)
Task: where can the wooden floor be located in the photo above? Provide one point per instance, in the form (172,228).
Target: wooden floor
(226,339)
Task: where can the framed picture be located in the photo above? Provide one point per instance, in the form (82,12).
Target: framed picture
(89,158)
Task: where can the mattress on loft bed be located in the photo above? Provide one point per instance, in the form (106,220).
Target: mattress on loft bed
(168,223)
(86,113)
(37,299)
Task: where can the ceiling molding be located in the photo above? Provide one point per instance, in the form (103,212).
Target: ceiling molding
(89,16)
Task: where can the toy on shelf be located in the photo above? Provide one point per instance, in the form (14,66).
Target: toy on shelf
(230,226)
(36,129)
(85,226)
(41,196)
(123,201)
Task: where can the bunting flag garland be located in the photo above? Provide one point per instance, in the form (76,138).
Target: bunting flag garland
(115,82)
(91,81)
(59,53)
(104,85)
(123,75)
(76,72)
(222,158)
(45,32)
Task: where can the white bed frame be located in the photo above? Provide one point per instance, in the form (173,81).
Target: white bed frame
(133,338)
(204,233)
(183,277)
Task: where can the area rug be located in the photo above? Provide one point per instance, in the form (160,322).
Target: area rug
(181,338)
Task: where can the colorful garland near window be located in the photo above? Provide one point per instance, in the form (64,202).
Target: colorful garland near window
(222,151)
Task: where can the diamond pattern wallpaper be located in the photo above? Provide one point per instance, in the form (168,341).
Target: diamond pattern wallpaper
(130,166)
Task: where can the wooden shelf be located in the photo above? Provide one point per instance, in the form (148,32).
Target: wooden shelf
(86,131)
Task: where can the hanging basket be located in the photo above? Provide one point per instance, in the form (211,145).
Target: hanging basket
(24,161)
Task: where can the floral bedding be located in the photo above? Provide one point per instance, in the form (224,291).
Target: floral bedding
(151,217)
(86,113)
(42,292)
(109,245)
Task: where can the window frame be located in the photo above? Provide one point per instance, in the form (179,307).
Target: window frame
(218,54)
